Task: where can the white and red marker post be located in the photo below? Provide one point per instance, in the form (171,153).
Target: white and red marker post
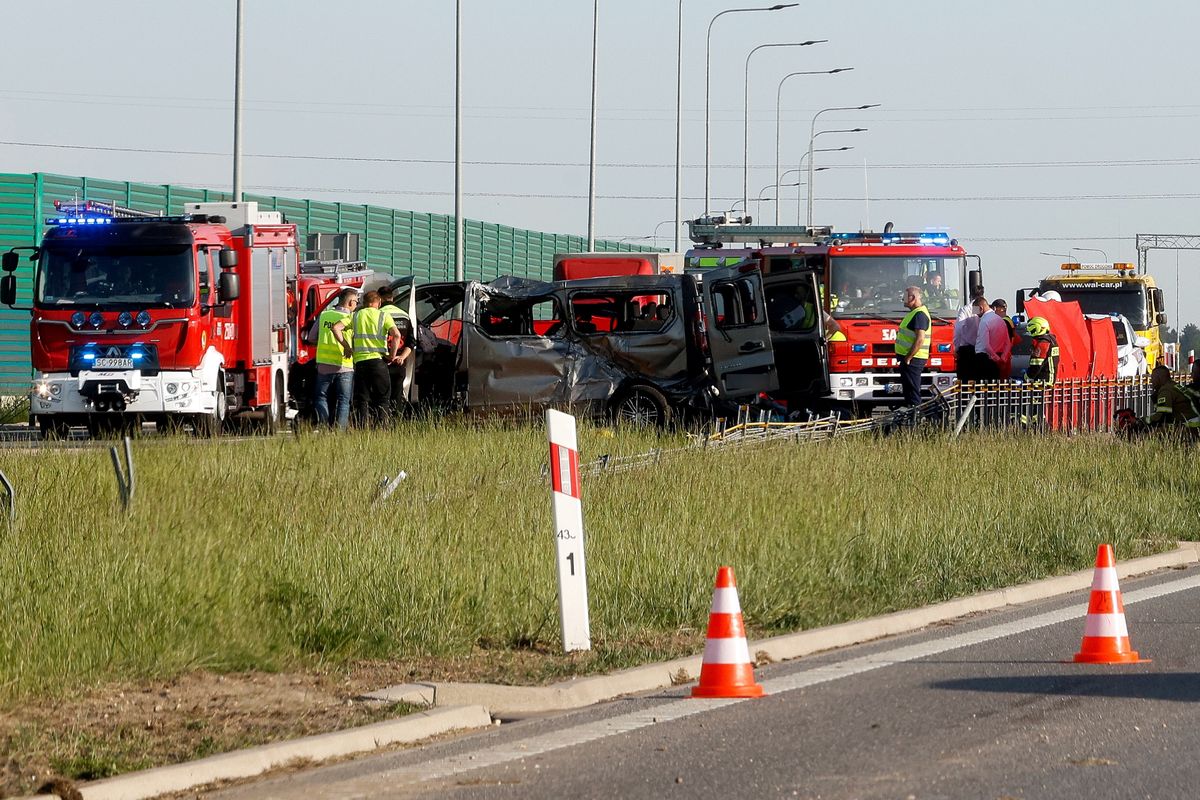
(568,531)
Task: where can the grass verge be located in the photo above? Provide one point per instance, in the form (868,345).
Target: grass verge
(267,555)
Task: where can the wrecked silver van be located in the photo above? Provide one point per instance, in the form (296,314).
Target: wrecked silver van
(643,349)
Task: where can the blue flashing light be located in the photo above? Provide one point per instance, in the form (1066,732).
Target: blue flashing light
(943,348)
(125,319)
(858,348)
(136,356)
(96,319)
(143,318)
(77,319)
(88,356)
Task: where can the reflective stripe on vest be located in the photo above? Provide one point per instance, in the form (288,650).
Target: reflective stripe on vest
(1046,373)
(397,314)
(906,337)
(328,349)
(370,334)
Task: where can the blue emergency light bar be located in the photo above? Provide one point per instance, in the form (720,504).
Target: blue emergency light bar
(101,212)
(925,238)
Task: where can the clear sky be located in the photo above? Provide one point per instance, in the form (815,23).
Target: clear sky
(1020,127)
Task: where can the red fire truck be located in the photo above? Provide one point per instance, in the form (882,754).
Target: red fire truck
(171,319)
(861,278)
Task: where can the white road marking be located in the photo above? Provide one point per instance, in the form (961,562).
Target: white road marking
(686,707)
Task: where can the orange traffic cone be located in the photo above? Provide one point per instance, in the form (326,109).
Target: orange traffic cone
(727,670)
(1105,637)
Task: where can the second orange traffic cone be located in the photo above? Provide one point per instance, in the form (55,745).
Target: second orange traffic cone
(727,670)
(1105,636)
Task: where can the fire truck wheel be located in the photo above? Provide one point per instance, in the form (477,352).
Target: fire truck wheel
(276,414)
(209,425)
(642,406)
(53,428)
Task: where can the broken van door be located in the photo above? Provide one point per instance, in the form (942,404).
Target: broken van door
(518,353)
(798,335)
(738,336)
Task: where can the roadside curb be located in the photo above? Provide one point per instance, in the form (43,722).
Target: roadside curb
(257,760)
(462,706)
(504,701)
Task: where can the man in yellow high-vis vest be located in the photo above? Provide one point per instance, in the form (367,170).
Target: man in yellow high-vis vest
(335,360)
(912,344)
(376,342)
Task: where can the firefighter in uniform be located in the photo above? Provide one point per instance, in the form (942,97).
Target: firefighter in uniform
(335,360)
(398,369)
(376,342)
(912,344)
(1174,409)
(1043,358)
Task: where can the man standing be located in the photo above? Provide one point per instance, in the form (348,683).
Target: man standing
(397,369)
(1000,306)
(335,359)
(966,328)
(912,345)
(993,346)
(376,342)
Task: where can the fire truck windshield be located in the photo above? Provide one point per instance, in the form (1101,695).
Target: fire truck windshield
(1130,302)
(116,276)
(873,286)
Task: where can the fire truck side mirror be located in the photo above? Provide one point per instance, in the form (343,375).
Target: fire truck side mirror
(10,262)
(8,289)
(975,282)
(227,285)
(227,258)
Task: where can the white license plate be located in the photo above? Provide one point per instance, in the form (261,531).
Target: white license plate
(113,363)
(893,388)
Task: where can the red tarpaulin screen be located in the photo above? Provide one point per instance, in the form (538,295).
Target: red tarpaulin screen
(1104,347)
(1068,326)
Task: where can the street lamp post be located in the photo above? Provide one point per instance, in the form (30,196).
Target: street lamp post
(678,124)
(778,114)
(459,256)
(812,132)
(237,109)
(707,72)
(1067,256)
(746,107)
(818,169)
(800,168)
(1092,250)
(798,171)
(775,199)
(591,221)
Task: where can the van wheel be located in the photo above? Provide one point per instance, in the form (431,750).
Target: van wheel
(642,406)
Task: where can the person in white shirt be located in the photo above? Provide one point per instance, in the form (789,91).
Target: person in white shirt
(993,346)
(966,329)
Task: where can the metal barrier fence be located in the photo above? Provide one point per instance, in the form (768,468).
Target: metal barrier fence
(1072,406)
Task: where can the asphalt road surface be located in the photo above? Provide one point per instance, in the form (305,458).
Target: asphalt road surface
(988,707)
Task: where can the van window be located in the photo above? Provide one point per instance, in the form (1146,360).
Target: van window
(505,316)
(791,307)
(735,304)
(621,312)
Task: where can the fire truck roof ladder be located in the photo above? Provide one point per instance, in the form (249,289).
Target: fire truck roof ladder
(101,208)
(716,230)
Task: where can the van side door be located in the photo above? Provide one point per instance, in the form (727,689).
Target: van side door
(739,339)
(795,318)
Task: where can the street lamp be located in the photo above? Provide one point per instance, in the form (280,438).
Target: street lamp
(1092,250)
(778,113)
(812,132)
(1067,256)
(659,225)
(707,70)
(800,168)
(775,199)
(778,195)
(746,106)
